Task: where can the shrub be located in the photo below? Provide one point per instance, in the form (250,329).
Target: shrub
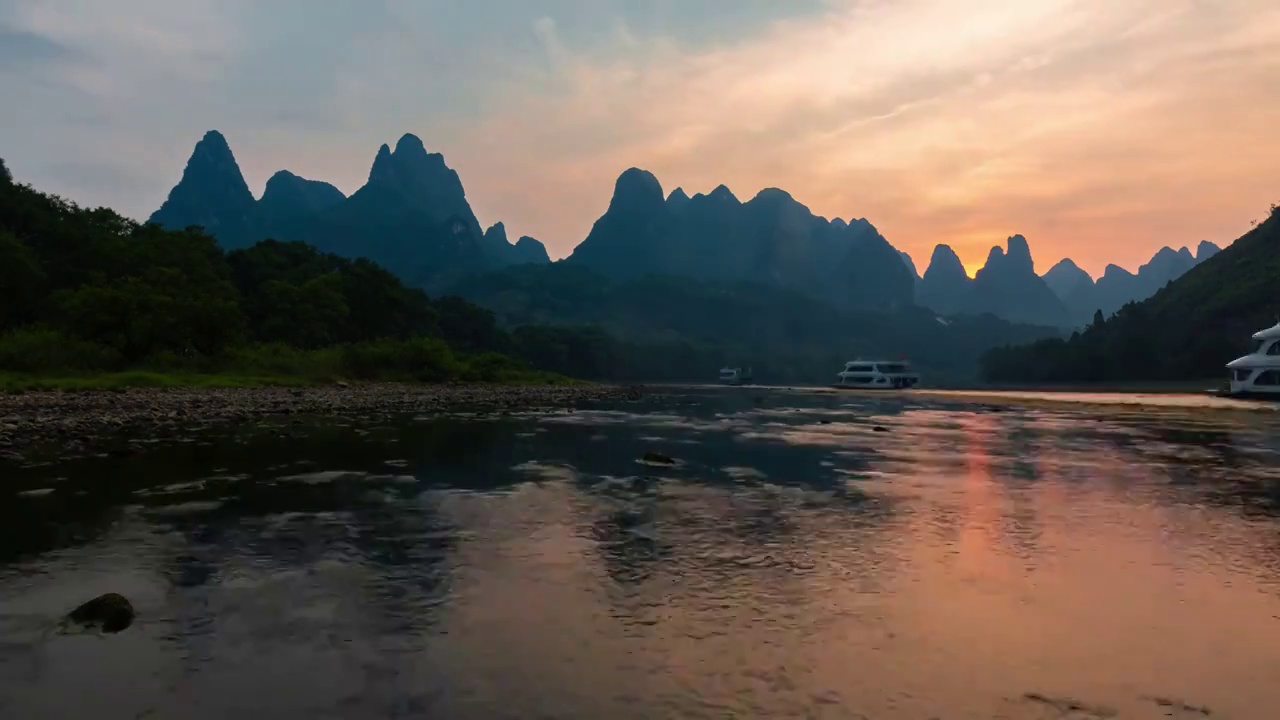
(420,359)
(40,350)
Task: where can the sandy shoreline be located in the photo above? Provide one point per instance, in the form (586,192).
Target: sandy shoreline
(1120,400)
(76,418)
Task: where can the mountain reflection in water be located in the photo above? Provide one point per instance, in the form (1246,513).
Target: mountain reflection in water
(793,562)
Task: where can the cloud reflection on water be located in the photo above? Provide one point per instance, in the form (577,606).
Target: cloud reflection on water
(793,558)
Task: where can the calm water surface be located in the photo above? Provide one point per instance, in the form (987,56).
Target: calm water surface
(796,561)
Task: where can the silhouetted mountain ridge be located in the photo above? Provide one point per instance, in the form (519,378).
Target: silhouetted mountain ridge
(288,196)
(1066,277)
(213,194)
(1188,330)
(906,259)
(1117,286)
(412,215)
(1006,286)
(771,239)
(792,335)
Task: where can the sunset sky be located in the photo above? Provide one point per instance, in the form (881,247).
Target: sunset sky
(1099,129)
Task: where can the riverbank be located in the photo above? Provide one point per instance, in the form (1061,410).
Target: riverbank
(22,382)
(1171,387)
(74,420)
(1167,398)
(1141,400)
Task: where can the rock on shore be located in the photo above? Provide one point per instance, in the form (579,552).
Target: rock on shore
(34,418)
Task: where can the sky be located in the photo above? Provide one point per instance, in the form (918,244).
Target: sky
(1099,129)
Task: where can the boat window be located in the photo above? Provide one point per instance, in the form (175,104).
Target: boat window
(1270,377)
(892,368)
(1275,347)
(859,369)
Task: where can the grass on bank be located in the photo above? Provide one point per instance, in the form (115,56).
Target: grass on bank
(17,382)
(120,381)
(47,361)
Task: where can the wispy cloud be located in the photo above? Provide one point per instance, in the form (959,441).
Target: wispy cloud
(19,49)
(1098,130)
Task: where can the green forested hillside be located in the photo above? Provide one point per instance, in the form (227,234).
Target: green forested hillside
(87,291)
(1187,331)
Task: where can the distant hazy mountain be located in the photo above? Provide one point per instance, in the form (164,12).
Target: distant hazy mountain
(288,196)
(529,251)
(1066,278)
(911,264)
(1188,330)
(1006,286)
(411,216)
(945,286)
(771,239)
(526,250)
(1206,250)
(786,335)
(1117,286)
(765,282)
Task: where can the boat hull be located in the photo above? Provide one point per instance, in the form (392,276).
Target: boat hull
(1246,395)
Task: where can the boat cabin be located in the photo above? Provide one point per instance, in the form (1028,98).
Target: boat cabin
(1258,373)
(877,374)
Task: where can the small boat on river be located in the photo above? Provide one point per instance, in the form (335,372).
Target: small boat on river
(877,375)
(735,376)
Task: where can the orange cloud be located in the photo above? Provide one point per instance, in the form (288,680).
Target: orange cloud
(1100,131)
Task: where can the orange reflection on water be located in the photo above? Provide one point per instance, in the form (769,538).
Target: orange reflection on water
(875,562)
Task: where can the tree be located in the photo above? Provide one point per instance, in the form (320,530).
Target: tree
(1098,320)
(381,307)
(21,279)
(469,327)
(88,290)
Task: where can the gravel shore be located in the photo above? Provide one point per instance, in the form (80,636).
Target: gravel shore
(77,418)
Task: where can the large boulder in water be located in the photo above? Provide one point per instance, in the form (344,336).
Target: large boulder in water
(108,613)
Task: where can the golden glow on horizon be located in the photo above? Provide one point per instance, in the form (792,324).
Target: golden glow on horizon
(1100,131)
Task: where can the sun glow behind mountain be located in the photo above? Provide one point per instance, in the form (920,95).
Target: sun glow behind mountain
(1101,131)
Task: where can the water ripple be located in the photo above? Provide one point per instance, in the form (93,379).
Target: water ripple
(802,555)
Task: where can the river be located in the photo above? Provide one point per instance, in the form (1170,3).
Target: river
(805,555)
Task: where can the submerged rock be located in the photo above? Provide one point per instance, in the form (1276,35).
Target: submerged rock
(91,422)
(109,613)
(1070,706)
(658,458)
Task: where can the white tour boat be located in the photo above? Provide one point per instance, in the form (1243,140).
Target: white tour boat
(877,375)
(735,376)
(1258,373)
